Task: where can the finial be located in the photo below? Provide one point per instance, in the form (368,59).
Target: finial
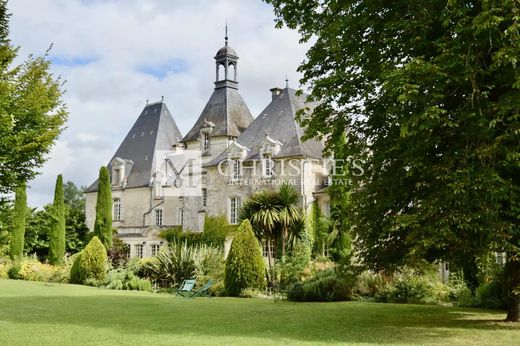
(162,98)
(286,81)
(226,34)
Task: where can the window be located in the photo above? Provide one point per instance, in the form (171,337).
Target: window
(117,177)
(138,250)
(265,250)
(501,258)
(237,169)
(234,206)
(155,249)
(158,217)
(118,209)
(268,165)
(204,197)
(327,209)
(180,216)
(205,141)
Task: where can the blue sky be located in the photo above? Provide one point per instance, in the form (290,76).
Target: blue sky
(115,55)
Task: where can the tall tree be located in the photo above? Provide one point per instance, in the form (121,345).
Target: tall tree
(289,213)
(103,224)
(18,219)
(75,223)
(57,231)
(262,211)
(32,112)
(429,93)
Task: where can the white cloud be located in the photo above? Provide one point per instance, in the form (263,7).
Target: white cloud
(102,46)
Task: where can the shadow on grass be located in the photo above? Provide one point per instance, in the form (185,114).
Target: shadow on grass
(312,322)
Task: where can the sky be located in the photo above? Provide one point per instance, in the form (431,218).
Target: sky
(116,54)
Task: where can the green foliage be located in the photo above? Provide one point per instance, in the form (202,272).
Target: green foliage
(6,213)
(103,223)
(431,107)
(125,278)
(14,272)
(181,261)
(90,266)
(274,215)
(245,266)
(216,230)
(292,266)
(76,229)
(411,286)
(177,235)
(33,270)
(57,231)
(32,113)
(18,225)
(118,253)
(326,286)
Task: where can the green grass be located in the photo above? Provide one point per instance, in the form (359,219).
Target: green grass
(35,313)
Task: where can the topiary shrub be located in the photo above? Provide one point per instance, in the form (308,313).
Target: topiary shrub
(74,270)
(245,267)
(14,272)
(90,266)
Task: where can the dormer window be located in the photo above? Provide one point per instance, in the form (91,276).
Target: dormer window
(118,175)
(268,165)
(237,169)
(205,141)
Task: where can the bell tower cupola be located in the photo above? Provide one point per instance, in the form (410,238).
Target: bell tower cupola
(226,67)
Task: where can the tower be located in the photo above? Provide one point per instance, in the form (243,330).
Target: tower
(226,67)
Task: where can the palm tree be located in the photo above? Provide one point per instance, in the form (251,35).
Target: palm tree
(262,210)
(288,214)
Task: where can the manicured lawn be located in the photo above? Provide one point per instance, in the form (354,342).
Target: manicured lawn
(34,313)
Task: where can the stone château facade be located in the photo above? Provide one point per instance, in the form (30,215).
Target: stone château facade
(239,155)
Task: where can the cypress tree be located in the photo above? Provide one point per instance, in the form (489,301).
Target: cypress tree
(245,267)
(18,226)
(57,235)
(103,224)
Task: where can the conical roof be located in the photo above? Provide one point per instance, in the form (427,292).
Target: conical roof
(153,130)
(278,121)
(227,111)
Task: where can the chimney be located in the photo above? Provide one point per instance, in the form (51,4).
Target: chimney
(275,92)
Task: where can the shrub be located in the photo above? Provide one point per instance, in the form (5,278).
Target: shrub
(292,267)
(14,272)
(410,286)
(368,284)
(4,268)
(74,269)
(175,235)
(118,253)
(491,295)
(327,285)
(216,230)
(103,224)
(57,230)
(181,261)
(90,266)
(18,223)
(245,267)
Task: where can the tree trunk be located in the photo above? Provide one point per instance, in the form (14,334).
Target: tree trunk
(512,272)
(269,262)
(284,237)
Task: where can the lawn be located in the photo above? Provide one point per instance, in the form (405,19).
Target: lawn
(35,313)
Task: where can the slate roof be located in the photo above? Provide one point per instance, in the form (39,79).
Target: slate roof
(153,130)
(227,111)
(279,122)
